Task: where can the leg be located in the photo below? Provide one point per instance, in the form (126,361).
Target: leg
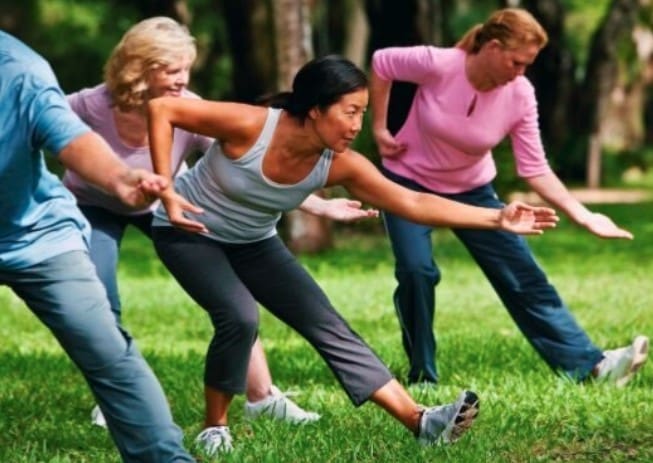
(414,298)
(201,268)
(66,295)
(107,230)
(531,300)
(280,284)
(259,379)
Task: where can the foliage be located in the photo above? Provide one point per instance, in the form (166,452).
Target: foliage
(527,414)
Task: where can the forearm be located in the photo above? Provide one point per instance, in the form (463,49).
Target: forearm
(553,191)
(92,159)
(313,205)
(160,132)
(379,100)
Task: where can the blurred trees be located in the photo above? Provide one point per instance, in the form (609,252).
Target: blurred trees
(593,80)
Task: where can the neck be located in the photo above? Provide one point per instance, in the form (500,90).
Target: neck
(474,69)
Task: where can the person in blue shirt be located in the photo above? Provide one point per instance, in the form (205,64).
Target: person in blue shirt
(44,250)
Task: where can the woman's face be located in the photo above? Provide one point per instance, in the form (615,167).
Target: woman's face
(169,80)
(506,64)
(338,125)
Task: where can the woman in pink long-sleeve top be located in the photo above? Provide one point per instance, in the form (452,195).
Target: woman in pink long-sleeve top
(468,99)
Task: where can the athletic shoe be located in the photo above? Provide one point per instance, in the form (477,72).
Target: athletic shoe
(279,407)
(619,365)
(97,418)
(447,423)
(214,440)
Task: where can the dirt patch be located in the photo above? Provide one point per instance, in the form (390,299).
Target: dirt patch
(591,196)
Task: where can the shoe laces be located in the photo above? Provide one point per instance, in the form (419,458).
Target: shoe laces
(215,439)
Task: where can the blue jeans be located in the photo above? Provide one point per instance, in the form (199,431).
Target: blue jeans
(508,264)
(66,295)
(107,230)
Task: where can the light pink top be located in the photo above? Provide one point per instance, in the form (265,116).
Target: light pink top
(93,105)
(447,150)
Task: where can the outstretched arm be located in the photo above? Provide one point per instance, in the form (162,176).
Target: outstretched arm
(364,181)
(551,189)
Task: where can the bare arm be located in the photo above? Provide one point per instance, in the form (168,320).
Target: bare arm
(551,189)
(236,126)
(365,182)
(91,157)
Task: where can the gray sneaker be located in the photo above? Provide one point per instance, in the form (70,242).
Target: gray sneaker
(447,423)
(619,365)
(278,406)
(214,440)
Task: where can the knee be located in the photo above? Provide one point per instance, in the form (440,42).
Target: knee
(418,273)
(241,323)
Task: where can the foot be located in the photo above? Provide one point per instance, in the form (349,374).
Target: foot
(278,406)
(97,418)
(619,365)
(214,440)
(447,423)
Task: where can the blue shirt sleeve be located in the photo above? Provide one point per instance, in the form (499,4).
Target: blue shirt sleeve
(54,124)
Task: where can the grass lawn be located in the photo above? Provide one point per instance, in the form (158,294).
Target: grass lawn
(527,413)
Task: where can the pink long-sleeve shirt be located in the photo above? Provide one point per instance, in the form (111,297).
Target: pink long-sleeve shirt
(449,151)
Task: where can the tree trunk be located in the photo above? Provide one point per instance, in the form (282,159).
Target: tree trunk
(305,232)
(249,27)
(552,75)
(600,77)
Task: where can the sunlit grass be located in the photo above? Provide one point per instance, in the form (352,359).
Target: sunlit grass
(528,414)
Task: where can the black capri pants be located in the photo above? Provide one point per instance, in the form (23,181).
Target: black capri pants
(227,280)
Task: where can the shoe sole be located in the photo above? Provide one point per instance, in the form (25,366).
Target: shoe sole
(463,419)
(640,349)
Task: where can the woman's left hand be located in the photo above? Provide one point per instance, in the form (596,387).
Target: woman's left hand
(603,227)
(346,210)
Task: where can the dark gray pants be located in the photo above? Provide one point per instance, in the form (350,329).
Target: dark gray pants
(228,280)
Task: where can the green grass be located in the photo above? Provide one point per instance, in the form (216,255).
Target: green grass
(528,414)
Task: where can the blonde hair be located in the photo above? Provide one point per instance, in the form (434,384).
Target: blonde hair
(512,27)
(146,46)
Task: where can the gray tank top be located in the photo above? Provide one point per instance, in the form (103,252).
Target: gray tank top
(240,204)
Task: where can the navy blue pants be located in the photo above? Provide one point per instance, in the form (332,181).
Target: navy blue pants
(508,264)
(229,280)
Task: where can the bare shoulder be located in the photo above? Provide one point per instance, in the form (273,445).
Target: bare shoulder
(348,164)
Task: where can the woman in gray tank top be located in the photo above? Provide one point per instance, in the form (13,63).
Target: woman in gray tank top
(216,233)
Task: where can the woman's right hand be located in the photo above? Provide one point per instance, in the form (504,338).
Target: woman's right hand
(175,206)
(387,144)
(524,219)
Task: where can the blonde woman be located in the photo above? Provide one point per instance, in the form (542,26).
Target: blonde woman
(153,59)
(469,98)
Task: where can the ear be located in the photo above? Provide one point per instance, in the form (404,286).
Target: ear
(313,113)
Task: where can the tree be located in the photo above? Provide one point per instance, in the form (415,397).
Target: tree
(600,78)
(293,39)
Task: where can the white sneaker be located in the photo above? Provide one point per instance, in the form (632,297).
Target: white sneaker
(97,418)
(619,365)
(447,423)
(278,406)
(213,440)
